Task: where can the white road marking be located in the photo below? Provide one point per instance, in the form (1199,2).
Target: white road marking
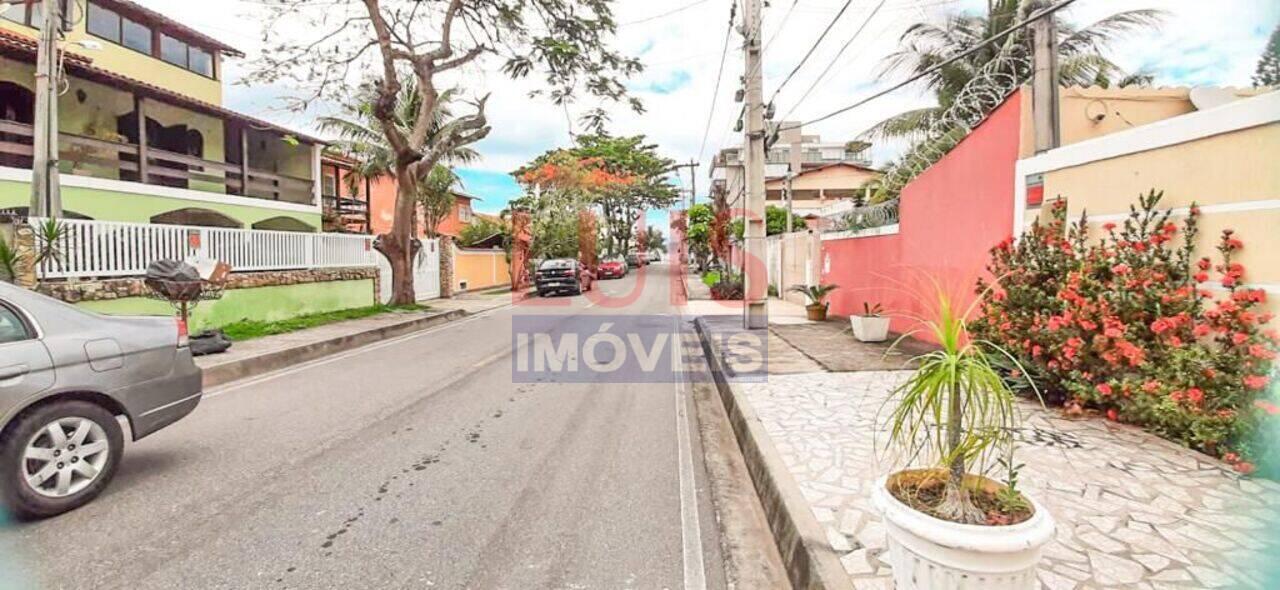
(238,385)
(695,577)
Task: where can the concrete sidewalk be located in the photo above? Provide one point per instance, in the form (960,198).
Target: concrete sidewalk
(1133,510)
(270,353)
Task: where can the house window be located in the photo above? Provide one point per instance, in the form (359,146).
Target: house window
(37,14)
(330,185)
(103,23)
(137,36)
(31,14)
(464,213)
(173,51)
(201,62)
(109,25)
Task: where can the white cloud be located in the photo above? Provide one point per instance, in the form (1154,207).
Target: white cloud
(1201,42)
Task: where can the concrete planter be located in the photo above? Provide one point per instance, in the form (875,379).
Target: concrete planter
(870,328)
(927,553)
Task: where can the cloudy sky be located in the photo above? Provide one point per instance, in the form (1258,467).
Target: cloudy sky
(680,41)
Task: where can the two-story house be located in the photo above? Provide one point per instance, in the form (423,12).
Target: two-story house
(821,172)
(143,133)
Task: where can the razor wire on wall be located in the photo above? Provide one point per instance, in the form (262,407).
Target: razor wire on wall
(990,86)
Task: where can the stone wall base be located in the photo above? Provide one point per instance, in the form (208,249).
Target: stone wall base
(76,291)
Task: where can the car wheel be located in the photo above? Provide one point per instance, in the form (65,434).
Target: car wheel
(58,457)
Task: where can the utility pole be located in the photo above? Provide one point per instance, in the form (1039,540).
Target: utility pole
(755,304)
(782,243)
(46,198)
(1044,84)
(693,180)
(786,187)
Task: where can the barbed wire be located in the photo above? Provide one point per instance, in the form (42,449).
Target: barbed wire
(990,86)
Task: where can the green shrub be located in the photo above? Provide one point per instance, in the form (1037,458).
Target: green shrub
(1124,324)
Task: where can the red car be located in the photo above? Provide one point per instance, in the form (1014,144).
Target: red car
(613,268)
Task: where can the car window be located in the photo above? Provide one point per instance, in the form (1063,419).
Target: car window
(12,328)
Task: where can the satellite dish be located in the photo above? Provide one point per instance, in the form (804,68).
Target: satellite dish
(1207,97)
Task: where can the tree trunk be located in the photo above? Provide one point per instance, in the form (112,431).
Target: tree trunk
(398,245)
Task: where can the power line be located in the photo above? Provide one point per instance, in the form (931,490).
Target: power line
(994,38)
(781,24)
(811,49)
(664,14)
(733,11)
(832,63)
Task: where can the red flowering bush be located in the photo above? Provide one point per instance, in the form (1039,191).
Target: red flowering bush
(1125,323)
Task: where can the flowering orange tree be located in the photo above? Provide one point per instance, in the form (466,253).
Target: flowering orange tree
(622,176)
(1128,324)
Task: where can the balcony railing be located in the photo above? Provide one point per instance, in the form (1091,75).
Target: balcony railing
(117,249)
(162,167)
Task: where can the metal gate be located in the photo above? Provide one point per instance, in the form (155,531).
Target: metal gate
(426,270)
(426,273)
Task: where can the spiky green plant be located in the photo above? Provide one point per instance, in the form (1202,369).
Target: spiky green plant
(49,236)
(955,407)
(815,294)
(9,258)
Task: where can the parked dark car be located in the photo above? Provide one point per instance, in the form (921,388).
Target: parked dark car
(66,374)
(636,260)
(562,275)
(613,268)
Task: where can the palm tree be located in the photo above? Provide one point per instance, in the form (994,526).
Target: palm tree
(436,197)
(360,135)
(653,240)
(1082,58)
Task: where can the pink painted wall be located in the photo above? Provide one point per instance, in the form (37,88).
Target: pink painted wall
(950,217)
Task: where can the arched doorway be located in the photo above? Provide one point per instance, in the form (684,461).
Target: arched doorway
(284,224)
(17,104)
(196,216)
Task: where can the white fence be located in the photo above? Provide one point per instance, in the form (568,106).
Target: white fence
(117,249)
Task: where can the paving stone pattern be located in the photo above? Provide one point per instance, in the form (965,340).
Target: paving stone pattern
(1133,510)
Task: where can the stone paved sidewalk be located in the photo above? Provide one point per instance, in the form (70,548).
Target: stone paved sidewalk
(1133,510)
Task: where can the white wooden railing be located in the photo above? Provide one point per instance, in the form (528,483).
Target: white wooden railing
(117,249)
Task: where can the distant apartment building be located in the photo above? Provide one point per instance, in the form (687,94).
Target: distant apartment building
(822,172)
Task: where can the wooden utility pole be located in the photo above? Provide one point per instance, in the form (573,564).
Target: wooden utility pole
(1044,84)
(755,290)
(46,198)
(693,181)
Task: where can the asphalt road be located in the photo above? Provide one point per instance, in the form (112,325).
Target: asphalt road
(411,463)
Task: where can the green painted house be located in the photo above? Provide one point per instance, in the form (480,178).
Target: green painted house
(144,137)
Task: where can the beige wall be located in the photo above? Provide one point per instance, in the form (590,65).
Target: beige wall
(480,269)
(125,61)
(1232,176)
(834,182)
(1092,112)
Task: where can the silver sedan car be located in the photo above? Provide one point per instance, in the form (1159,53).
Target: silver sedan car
(66,377)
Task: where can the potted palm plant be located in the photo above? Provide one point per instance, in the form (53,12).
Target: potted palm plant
(871,325)
(948,524)
(816,295)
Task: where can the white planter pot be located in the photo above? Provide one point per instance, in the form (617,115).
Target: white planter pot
(927,553)
(870,328)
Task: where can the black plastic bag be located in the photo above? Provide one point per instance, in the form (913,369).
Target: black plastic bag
(209,342)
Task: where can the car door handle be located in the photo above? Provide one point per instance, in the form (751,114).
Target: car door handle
(13,372)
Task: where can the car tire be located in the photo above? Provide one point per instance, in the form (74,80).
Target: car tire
(577,290)
(30,433)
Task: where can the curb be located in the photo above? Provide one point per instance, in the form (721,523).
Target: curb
(279,359)
(810,561)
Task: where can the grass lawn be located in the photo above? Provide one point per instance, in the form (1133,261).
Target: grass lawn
(250,329)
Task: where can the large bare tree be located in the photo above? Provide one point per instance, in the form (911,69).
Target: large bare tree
(328,50)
